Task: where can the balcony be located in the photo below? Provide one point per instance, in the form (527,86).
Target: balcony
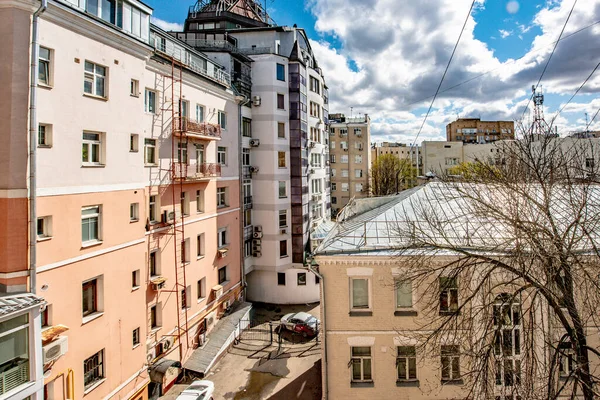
(195,172)
(247,202)
(194,129)
(14,374)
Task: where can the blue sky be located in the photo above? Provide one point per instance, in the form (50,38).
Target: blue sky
(383,57)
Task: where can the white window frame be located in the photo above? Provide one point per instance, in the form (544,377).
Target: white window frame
(222,236)
(95,74)
(91,143)
(362,360)
(222,119)
(222,155)
(150,103)
(408,355)
(200,246)
(279,191)
(400,287)
(150,144)
(199,113)
(46,231)
(453,361)
(134,88)
(361,308)
(96,212)
(45,65)
(153,208)
(134,212)
(199,201)
(222,197)
(134,143)
(45,132)
(283,213)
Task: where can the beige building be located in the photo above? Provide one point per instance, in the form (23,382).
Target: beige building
(401,150)
(349,157)
(376,327)
(474,130)
(440,157)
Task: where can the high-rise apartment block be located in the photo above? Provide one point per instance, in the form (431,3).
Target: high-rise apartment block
(284,147)
(474,130)
(350,158)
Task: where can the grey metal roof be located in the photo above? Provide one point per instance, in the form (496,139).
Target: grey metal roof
(11,303)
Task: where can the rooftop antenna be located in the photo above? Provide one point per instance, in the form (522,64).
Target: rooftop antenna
(351,109)
(587,126)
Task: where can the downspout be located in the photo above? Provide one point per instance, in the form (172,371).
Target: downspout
(35,51)
(325,378)
(241,103)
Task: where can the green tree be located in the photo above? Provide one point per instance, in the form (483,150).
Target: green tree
(389,175)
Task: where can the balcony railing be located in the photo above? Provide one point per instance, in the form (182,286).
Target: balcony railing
(247,202)
(195,172)
(257,50)
(187,125)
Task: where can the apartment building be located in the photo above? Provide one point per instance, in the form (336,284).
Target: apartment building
(138,234)
(440,157)
(401,150)
(349,157)
(378,327)
(474,130)
(284,148)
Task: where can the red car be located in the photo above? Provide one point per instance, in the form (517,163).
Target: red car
(302,323)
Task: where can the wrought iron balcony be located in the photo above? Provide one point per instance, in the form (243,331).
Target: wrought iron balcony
(201,130)
(195,172)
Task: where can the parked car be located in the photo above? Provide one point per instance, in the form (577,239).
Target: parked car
(302,323)
(198,390)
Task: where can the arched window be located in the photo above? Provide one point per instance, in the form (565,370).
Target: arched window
(507,345)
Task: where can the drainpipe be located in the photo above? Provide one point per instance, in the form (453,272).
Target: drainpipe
(312,269)
(242,101)
(35,51)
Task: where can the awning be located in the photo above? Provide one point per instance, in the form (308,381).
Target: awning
(159,369)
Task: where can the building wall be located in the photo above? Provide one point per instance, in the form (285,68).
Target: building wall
(485,131)
(440,157)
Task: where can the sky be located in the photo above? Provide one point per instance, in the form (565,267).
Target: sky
(386,58)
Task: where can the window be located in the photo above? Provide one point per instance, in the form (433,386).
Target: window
(155,317)
(134,88)
(315,85)
(317,280)
(184,300)
(358,159)
(185,251)
(201,289)
(246,127)
(199,245)
(90,224)
(245,157)
(507,341)
(358,173)
(566,360)
(315,110)
(199,201)
(184,107)
(333,172)
(283,249)
(283,218)
(333,186)
(345,187)
(222,237)
(14,358)
(44,135)
(344,159)
(44,66)
(154,264)
(343,131)
(90,297)
(331,130)
(182,152)
(281,159)
(281,130)
(358,187)
(91,149)
(448,295)
(281,278)
(281,72)
(222,119)
(357,131)
(316,186)
(589,163)
(93,369)
(222,155)
(361,364)
(136,337)
(406,363)
(403,294)
(134,213)
(44,227)
(450,363)
(280,101)
(222,275)
(332,158)
(282,190)
(301,280)
(334,200)
(184,203)
(135,279)
(153,208)
(332,145)
(150,151)
(222,197)
(133,143)
(315,160)
(150,101)
(317,210)
(359,294)
(94,79)
(199,113)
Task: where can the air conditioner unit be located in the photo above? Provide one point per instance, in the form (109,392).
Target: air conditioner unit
(256,242)
(55,349)
(257,254)
(254,142)
(151,355)
(158,282)
(201,339)
(171,216)
(256,100)
(223,252)
(257,235)
(312,144)
(254,169)
(218,291)
(167,343)
(257,248)
(283,231)
(257,228)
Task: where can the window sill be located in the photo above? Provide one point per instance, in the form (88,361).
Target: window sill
(132,221)
(44,239)
(133,289)
(199,257)
(89,318)
(199,212)
(414,383)
(95,97)
(224,283)
(201,299)
(224,206)
(93,165)
(449,313)
(133,151)
(452,382)
(405,313)
(281,198)
(93,386)
(150,165)
(44,146)
(360,313)
(286,256)
(155,329)
(85,245)
(44,86)
(134,95)
(362,384)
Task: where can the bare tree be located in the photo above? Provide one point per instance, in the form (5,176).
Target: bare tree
(389,175)
(507,261)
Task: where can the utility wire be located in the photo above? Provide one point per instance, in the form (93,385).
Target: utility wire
(592,120)
(549,58)
(573,96)
(445,72)
(504,65)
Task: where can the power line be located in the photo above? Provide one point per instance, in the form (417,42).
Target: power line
(445,72)
(592,120)
(504,65)
(549,58)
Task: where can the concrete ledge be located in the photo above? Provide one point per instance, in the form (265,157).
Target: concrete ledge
(361,313)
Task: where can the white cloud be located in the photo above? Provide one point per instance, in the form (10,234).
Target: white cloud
(166,25)
(504,34)
(523,28)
